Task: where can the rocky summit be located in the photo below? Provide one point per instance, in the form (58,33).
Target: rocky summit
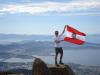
(41,68)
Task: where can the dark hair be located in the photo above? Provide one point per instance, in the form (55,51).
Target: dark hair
(56,31)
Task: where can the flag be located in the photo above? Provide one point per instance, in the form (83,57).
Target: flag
(74,36)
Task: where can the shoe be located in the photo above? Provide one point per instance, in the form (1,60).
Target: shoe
(61,63)
(56,64)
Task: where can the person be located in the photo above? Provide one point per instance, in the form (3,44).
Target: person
(58,47)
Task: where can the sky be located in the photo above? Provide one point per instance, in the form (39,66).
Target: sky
(45,16)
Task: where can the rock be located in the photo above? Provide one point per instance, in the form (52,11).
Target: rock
(40,68)
(61,70)
(7,73)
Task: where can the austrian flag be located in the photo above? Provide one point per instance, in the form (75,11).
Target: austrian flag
(74,36)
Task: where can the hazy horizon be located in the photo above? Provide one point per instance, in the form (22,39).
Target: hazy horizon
(40,34)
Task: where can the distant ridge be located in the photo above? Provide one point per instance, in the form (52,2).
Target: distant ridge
(94,38)
(19,37)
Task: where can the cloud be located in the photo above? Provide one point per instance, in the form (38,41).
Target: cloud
(91,7)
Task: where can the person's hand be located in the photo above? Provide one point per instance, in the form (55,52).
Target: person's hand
(63,30)
(65,27)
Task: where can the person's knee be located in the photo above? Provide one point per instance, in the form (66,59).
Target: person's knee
(61,54)
(56,55)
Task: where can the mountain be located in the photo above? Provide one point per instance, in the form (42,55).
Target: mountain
(17,38)
(8,38)
(16,51)
(27,43)
(37,44)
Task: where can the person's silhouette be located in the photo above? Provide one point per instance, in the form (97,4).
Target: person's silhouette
(58,47)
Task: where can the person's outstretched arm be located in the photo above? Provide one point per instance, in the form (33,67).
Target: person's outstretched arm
(63,31)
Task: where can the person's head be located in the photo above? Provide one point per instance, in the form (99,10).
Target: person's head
(56,33)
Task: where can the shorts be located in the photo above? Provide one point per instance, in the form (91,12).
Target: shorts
(59,50)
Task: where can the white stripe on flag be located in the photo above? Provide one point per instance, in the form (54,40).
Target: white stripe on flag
(69,34)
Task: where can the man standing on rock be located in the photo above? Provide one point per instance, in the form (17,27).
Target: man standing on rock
(58,47)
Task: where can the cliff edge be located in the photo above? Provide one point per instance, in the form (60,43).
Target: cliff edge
(41,68)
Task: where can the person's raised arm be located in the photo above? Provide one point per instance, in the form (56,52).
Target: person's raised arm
(63,30)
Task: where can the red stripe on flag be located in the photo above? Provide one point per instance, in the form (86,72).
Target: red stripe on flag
(70,29)
(72,40)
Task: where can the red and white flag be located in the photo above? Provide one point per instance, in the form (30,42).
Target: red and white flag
(74,36)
